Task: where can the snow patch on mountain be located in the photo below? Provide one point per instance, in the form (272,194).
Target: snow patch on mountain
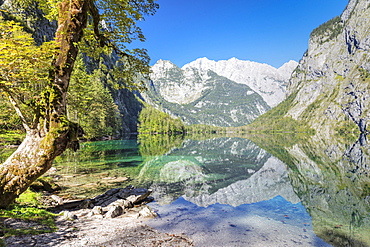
(266,80)
(175,85)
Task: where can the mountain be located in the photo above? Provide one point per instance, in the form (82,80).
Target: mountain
(223,93)
(330,89)
(202,96)
(264,79)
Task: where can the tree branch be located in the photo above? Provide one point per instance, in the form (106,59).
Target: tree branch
(96,20)
(17,109)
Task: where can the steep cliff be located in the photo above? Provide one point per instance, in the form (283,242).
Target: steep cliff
(223,93)
(32,18)
(329,90)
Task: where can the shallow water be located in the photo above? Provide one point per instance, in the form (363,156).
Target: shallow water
(275,222)
(225,191)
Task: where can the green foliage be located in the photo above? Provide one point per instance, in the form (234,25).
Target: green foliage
(153,121)
(22,62)
(27,208)
(9,120)
(29,198)
(276,120)
(348,130)
(203,129)
(310,109)
(90,103)
(5,153)
(339,78)
(364,74)
(24,72)
(25,66)
(11,137)
(111,30)
(37,85)
(329,30)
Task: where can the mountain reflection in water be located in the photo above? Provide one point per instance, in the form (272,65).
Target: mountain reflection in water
(229,192)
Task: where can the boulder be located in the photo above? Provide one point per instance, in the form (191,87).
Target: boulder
(114,211)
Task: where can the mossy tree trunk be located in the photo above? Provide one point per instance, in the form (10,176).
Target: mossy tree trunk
(53,132)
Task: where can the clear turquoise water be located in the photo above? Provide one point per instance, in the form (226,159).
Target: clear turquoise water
(230,192)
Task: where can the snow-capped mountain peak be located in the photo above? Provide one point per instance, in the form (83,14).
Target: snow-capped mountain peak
(201,96)
(266,80)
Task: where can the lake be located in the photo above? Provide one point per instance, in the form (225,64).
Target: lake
(231,191)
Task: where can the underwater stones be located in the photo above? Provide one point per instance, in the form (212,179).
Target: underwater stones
(44,184)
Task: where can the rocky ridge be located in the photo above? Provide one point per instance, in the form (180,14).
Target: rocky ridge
(202,96)
(330,86)
(223,93)
(267,81)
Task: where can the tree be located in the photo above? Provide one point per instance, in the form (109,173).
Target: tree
(90,103)
(93,26)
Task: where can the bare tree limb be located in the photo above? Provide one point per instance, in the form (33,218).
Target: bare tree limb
(17,109)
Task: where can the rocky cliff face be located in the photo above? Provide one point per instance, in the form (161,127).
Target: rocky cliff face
(331,85)
(224,93)
(41,29)
(264,79)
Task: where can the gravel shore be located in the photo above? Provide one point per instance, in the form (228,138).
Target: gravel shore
(128,229)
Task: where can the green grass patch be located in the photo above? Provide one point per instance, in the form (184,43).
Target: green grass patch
(276,121)
(28,209)
(29,198)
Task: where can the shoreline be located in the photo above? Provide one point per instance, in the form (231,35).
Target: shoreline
(115,218)
(125,230)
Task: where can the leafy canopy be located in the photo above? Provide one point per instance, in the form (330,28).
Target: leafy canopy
(24,69)
(111,28)
(21,61)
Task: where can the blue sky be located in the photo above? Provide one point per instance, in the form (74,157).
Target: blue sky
(265,31)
